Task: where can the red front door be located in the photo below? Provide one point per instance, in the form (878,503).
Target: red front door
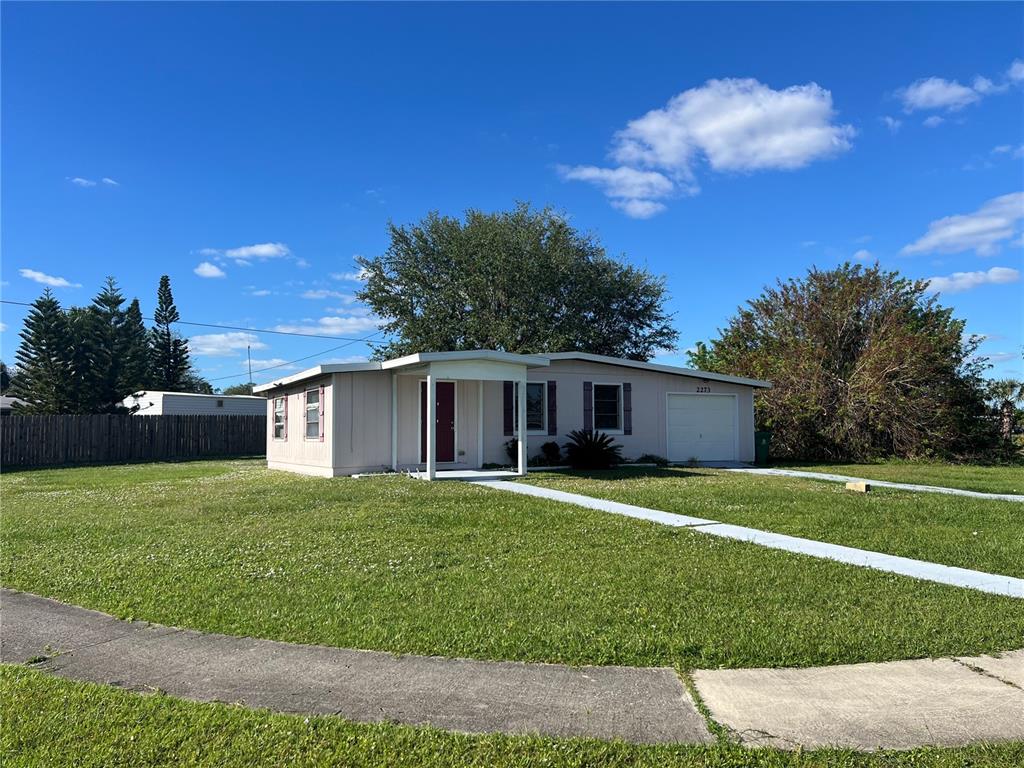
(445,414)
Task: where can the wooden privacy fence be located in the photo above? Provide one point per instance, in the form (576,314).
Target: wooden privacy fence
(46,441)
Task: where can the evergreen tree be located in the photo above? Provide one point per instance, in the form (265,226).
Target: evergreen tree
(134,373)
(108,353)
(87,361)
(168,351)
(5,378)
(44,365)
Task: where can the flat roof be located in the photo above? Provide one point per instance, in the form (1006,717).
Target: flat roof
(674,369)
(493,355)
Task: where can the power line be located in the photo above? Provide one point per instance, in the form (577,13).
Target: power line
(227,327)
(299,360)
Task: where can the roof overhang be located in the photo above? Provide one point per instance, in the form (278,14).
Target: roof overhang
(673,369)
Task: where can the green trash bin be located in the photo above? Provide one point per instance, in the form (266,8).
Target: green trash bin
(762,443)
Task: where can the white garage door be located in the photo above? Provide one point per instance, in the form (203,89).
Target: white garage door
(702,427)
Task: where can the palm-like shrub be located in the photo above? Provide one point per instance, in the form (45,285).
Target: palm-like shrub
(592,450)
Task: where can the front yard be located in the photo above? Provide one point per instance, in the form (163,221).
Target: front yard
(996,478)
(452,569)
(55,723)
(980,534)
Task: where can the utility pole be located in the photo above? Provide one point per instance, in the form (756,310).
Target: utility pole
(248,356)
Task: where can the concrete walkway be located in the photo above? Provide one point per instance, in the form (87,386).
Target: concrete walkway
(880,483)
(866,706)
(995,584)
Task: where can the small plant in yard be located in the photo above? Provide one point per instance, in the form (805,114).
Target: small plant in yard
(653,458)
(552,453)
(512,450)
(592,450)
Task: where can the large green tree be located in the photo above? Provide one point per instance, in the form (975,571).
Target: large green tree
(863,363)
(521,281)
(169,359)
(134,340)
(43,359)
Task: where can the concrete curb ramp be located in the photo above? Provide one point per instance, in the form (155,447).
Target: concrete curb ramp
(945,702)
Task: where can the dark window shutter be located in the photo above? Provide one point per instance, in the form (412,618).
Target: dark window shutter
(588,406)
(321,413)
(552,410)
(508,407)
(627,409)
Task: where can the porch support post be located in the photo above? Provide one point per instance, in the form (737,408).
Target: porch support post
(431,424)
(394,422)
(521,404)
(480,425)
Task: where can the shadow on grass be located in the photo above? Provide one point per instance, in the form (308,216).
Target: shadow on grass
(631,473)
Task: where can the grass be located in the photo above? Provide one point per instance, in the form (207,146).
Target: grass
(54,722)
(996,478)
(980,534)
(401,565)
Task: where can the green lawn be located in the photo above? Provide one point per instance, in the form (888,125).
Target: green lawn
(1005,478)
(52,722)
(972,533)
(447,568)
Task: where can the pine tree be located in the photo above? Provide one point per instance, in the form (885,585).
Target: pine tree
(169,352)
(134,352)
(44,366)
(108,353)
(88,359)
(5,378)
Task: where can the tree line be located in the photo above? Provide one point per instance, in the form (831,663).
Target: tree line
(84,360)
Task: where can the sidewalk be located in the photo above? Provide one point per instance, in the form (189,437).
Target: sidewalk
(943,702)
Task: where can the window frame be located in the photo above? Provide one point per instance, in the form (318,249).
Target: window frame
(284,418)
(319,414)
(544,409)
(620,405)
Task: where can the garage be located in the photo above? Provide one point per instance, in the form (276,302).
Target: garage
(702,427)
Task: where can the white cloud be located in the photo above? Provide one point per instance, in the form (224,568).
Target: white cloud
(731,124)
(998,357)
(206,269)
(1016,71)
(260,292)
(622,182)
(932,122)
(936,93)
(209,252)
(639,209)
(891,123)
(109,182)
(358,276)
(334,325)
(78,181)
(259,251)
(982,231)
(323,293)
(273,362)
(965,281)
(1002,149)
(45,279)
(224,344)
(3,327)
(862,255)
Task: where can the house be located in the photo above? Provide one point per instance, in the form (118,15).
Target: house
(190,404)
(7,404)
(443,411)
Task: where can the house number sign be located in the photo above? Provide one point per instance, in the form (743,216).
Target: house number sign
(703,389)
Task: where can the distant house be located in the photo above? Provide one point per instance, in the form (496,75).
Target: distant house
(7,404)
(190,404)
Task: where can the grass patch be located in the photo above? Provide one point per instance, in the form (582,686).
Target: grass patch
(995,478)
(980,534)
(453,569)
(54,722)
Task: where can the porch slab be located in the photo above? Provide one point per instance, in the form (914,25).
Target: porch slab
(469,474)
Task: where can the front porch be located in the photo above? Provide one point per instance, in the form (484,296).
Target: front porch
(447,413)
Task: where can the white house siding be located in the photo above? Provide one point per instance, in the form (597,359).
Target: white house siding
(296,453)
(649,404)
(187,404)
(361,421)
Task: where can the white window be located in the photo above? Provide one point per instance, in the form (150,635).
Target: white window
(313,414)
(608,407)
(280,418)
(536,407)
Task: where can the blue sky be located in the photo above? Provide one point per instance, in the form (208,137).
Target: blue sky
(250,151)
